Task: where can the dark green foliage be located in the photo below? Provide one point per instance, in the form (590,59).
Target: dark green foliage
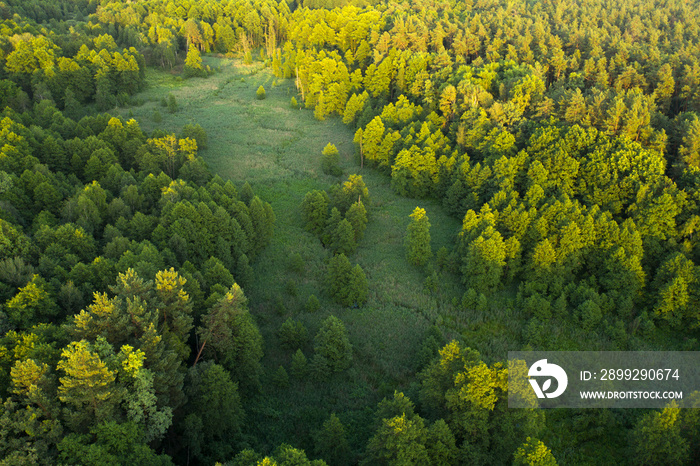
(331,344)
(109,443)
(299,366)
(347,285)
(292,334)
(331,442)
(657,439)
(312,304)
(357,216)
(314,211)
(246,195)
(214,406)
(343,239)
(172,104)
(280,378)
(229,331)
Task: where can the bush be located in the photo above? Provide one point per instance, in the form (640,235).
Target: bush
(157,117)
(172,104)
(260,93)
(293,103)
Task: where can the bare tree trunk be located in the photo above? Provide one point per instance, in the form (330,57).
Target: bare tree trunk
(199,354)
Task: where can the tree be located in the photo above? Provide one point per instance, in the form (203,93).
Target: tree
(400,440)
(331,343)
(88,386)
(299,366)
(330,163)
(534,453)
(657,439)
(332,444)
(215,405)
(417,240)
(193,63)
(357,216)
(260,93)
(345,284)
(314,210)
(109,443)
(292,334)
(344,238)
(229,330)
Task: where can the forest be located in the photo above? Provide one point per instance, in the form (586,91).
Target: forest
(406,190)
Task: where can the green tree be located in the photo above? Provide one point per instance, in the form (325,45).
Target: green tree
(299,366)
(314,210)
(228,329)
(330,162)
(193,63)
(417,241)
(172,104)
(260,93)
(88,386)
(534,453)
(345,284)
(215,405)
(343,241)
(332,444)
(292,334)
(357,216)
(109,443)
(398,441)
(657,439)
(331,343)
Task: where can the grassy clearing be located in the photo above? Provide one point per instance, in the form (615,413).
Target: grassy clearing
(277,149)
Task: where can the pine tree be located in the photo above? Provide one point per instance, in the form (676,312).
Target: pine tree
(299,365)
(344,238)
(88,385)
(229,330)
(332,344)
(357,216)
(193,63)
(332,444)
(330,162)
(357,287)
(260,93)
(418,238)
(314,211)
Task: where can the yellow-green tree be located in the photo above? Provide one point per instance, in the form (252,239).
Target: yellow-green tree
(418,250)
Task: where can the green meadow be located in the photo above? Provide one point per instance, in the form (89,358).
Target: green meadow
(277,149)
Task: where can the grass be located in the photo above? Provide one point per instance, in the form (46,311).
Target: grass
(277,149)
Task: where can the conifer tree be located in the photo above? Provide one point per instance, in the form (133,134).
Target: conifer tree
(418,249)
(193,63)
(332,344)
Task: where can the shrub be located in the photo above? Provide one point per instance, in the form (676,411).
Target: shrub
(260,93)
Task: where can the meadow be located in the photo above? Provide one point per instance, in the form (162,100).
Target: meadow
(277,149)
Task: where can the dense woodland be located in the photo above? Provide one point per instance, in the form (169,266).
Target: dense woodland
(564,135)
